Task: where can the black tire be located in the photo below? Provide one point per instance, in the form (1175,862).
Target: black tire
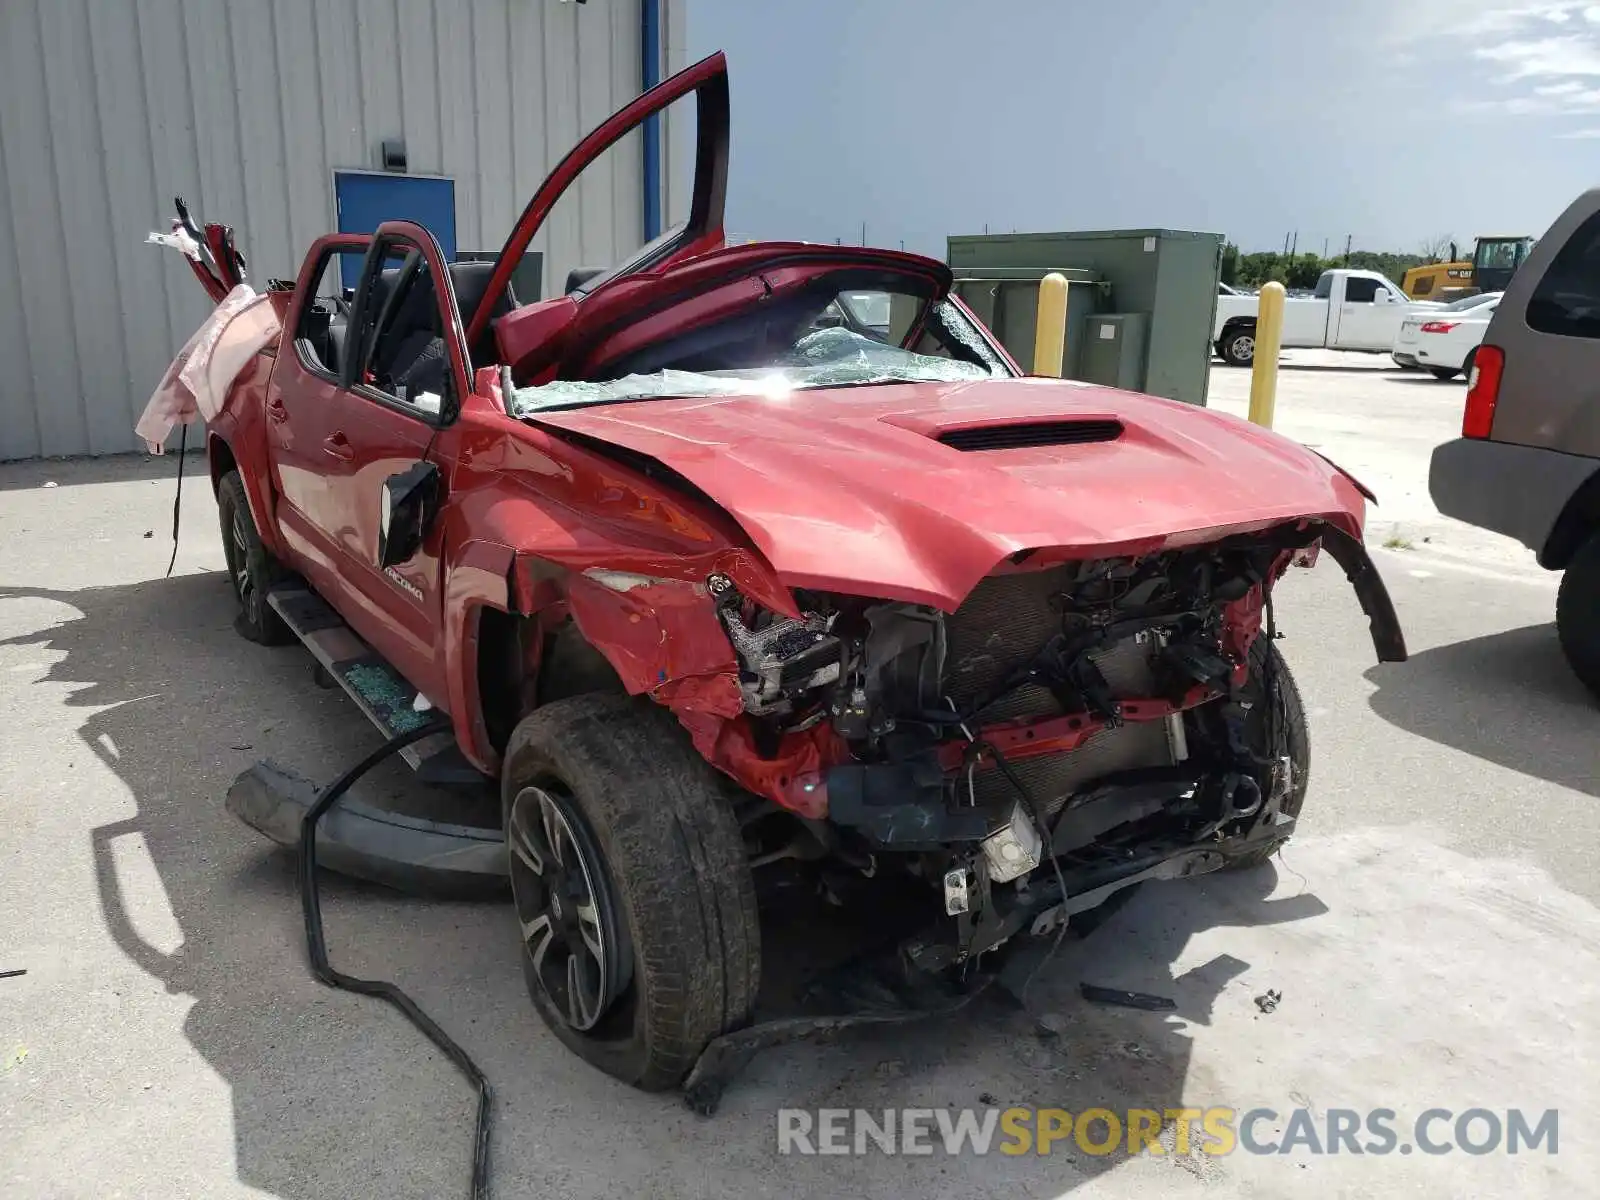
(1290,738)
(1578,614)
(669,873)
(1468,361)
(1444,372)
(251,569)
(1238,345)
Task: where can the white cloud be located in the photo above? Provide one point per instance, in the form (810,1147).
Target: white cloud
(1431,21)
(1492,18)
(1565,56)
(1568,104)
(1542,56)
(1579,133)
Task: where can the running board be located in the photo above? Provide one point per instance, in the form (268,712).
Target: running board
(377,688)
(410,854)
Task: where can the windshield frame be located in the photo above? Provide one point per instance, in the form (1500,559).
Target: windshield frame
(969,356)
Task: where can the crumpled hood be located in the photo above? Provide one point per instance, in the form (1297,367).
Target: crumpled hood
(850,490)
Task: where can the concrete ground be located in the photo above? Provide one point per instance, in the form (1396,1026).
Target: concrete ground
(1433,929)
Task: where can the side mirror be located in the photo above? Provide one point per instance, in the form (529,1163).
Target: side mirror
(410,500)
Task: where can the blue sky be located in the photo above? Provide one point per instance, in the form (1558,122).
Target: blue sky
(1393,120)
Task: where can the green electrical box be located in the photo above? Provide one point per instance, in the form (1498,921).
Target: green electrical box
(1168,276)
(1114,351)
(1006,299)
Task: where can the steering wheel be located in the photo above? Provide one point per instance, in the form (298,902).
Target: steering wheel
(404,276)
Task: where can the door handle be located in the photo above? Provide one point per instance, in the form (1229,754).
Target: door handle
(338,446)
(276,412)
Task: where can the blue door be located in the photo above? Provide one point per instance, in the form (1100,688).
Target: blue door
(367,199)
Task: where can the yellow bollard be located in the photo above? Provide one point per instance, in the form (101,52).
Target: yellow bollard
(1050,330)
(1264,367)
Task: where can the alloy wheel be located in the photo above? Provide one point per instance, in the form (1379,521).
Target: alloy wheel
(571,927)
(243,583)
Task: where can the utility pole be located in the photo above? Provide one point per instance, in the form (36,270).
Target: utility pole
(863,233)
(1324,247)
(1295,247)
(1348,238)
(1286,245)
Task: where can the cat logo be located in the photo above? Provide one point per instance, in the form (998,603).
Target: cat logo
(403,583)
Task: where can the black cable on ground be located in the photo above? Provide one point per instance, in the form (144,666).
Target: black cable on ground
(177,499)
(317,947)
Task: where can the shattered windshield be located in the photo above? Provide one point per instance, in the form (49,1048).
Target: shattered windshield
(850,343)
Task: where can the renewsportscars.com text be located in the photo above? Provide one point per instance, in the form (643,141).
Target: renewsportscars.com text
(1215,1131)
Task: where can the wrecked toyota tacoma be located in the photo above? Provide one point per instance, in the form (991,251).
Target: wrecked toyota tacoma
(734,557)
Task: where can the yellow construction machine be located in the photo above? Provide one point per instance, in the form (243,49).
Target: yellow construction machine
(1493,263)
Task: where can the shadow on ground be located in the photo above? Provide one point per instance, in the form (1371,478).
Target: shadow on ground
(1508,698)
(332,1096)
(108,468)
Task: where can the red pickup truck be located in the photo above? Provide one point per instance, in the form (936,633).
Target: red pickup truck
(765,557)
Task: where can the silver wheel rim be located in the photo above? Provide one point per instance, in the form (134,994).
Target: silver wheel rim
(563,910)
(1244,346)
(242,582)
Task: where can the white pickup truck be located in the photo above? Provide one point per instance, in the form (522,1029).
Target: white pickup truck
(1350,310)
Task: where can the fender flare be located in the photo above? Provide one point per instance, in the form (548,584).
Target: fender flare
(477,575)
(1387,637)
(1579,520)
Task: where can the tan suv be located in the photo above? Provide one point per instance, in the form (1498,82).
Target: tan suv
(1527,463)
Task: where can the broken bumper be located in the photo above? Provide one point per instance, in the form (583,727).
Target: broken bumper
(356,839)
(1046,906)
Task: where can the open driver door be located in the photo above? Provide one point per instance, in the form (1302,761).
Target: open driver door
(707,80)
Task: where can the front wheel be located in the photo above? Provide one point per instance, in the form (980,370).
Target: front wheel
(1238,346)
(1275,731)
(1578,614)
(634,900)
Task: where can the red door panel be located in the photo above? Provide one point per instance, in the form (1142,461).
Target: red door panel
(303,459)
(397,609)
(301,422)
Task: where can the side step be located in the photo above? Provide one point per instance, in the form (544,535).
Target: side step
(377,688)
(428,858)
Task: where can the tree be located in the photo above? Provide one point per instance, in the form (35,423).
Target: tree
(1437,248)
(1302,270)
(1230,264)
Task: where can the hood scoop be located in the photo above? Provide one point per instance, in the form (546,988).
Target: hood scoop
(1031,434)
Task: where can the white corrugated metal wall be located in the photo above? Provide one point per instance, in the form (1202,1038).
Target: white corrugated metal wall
(108,108)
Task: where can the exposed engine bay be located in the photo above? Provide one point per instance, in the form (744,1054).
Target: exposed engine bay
(1067,718)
